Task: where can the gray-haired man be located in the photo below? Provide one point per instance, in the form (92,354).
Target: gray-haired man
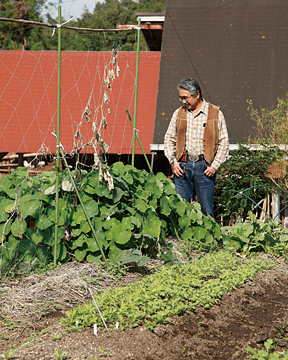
(196,144)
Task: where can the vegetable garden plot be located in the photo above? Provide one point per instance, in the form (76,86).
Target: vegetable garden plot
(139,212)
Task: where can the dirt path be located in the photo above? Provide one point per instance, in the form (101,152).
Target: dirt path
(219,333)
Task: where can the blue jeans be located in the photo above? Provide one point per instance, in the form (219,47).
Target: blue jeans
(204,185)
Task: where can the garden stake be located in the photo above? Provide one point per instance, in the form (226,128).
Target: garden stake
(136,88)
(58,136)
(98,309)
(81,202)
(135,131)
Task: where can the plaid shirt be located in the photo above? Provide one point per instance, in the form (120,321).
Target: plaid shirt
(194,136)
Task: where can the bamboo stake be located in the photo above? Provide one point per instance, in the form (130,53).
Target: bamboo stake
(58,137)
(82,204)
(136,89)
(134,130)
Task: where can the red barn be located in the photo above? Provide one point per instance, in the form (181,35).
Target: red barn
(28,99)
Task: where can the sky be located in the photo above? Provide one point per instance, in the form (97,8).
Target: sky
(74,8)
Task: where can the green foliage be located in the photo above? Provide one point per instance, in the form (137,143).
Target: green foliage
(8,355)
(270,337)
(133,256)
(60,355)
(106,15)
(267,354)
(15,36)
(243,180)
(137,215)
(271,130)
(255,235)
(271,126)
(170,291)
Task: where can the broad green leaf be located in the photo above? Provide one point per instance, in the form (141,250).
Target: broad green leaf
(43,254)
(164,206)
(187,233)
(209,238)
(29,208)
(49,235)
(85,197)
(18,227)
(135,221)
(5,183)
(9,205)
(79,216)
(103,191)
(93,258)
(61,217)
(117,194)
(170,188)
(118,168)
(3,216)
(128,223)
(128,178)
(114,252)
(79,242)
(35,235)
(270,239)
(217,231)
(119,234)
(92,244)
(80,254)
(151,227)
(140,205)
(133,255)
(61,252)
(5,227)
(179,206)
(199,233)
(11,193)
(11,247)
(184,222)
(84,226)
(208,223)
(192,216)
(87,188)
(44,221)
(91,207)
(27,246)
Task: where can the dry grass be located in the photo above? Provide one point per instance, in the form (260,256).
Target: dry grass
(60,289)
(64,287)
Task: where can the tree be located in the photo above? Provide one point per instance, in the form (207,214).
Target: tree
(106,15)
(15,36)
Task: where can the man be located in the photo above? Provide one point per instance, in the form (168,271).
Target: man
(196,144)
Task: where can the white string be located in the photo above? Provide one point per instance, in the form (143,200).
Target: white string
(59,25)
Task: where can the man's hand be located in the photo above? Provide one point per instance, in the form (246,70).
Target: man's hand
(176,169)
(210,171)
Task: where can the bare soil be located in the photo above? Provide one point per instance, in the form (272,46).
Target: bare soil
(219,333)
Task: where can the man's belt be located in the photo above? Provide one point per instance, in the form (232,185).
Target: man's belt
(193,157)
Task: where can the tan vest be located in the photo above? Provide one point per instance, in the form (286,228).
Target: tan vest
(211,133)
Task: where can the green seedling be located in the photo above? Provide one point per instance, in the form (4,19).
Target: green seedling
(8,355)
(60,356)
(56,336)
